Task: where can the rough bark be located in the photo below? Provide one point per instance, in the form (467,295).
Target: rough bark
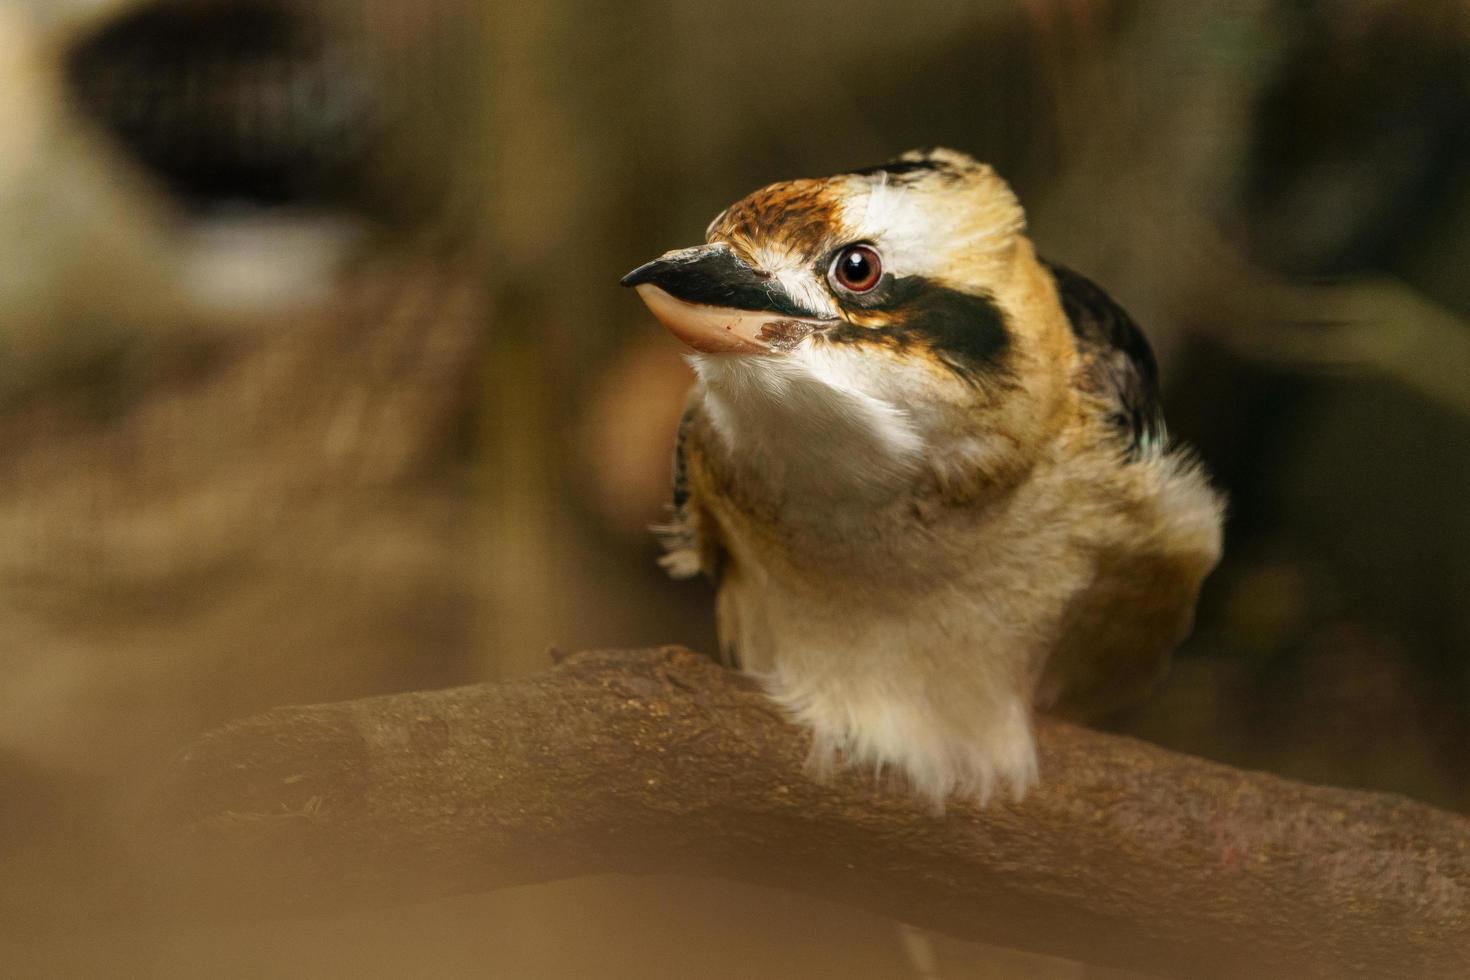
(658,761)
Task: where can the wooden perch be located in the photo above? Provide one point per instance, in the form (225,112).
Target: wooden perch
(659,761)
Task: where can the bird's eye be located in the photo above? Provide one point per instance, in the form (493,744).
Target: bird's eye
(856,269)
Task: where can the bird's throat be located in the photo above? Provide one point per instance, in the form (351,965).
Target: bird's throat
(791,435)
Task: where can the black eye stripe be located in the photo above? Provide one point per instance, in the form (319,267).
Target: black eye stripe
(890,293)
(968,332)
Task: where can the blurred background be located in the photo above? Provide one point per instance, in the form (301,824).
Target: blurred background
(316,382)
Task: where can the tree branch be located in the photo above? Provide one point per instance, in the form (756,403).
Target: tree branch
(659,761)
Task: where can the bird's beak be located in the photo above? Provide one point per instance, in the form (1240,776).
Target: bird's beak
(717,304)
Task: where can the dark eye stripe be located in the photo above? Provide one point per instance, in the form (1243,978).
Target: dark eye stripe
(966,331)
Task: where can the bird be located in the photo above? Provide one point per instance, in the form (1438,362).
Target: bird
(928,472)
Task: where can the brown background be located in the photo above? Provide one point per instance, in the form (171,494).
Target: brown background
(315,382)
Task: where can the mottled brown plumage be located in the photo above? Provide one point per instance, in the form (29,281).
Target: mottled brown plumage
(796,213)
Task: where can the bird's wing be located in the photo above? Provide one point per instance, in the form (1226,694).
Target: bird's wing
(681,466)
(692,542)
(684,552)
(1118,364)
(1118,633)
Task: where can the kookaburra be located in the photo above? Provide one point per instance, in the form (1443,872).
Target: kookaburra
(927,471)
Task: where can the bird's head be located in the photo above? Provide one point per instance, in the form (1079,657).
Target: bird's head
(902,302)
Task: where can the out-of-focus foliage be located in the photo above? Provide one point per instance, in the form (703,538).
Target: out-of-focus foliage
(315,379)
